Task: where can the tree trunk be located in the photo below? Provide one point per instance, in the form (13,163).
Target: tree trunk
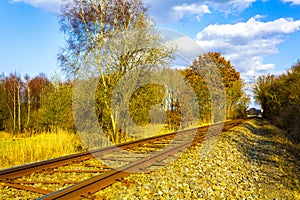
(19,106)
(115,131)
(28,106)
(15,108)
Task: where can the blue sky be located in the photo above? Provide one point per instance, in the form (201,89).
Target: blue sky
(258,36)
(29,39)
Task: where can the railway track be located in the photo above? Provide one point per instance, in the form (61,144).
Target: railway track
(82,174)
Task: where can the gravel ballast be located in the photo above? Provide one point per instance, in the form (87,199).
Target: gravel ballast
(250,161)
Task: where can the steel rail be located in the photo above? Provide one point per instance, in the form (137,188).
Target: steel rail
(7,176)
(94,184)
(16,172)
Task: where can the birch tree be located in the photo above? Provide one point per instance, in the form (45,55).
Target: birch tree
(12,91)
(109,39)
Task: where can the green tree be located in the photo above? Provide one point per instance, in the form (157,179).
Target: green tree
(264,95)
(193,76)
(36,92)
(232,82)
(279,98)
(105,40)
(56,110)
(143,99)
(201,77)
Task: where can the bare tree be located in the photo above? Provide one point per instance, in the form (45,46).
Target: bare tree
(28,97)
(12,87)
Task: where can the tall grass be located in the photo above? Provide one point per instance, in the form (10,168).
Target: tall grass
(21,150)
(18,150)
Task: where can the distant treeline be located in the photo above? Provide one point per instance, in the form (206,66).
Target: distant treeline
(34,104)
(279,96)
(37,105)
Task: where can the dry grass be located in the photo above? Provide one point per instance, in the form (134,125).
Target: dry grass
(19,150)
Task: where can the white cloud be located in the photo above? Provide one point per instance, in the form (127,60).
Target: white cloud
(177,9)
(193,9)
(231,6)
(294,2)
(251,29)
(52,6)
(246,44)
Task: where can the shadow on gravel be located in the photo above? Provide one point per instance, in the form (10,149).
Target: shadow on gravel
(280,160)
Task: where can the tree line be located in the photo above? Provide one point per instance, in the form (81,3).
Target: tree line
(279,97)
(37,104)
(106,41)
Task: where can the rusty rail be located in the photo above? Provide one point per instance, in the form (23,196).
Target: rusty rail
(90,186)
(19,171)
(108,176)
